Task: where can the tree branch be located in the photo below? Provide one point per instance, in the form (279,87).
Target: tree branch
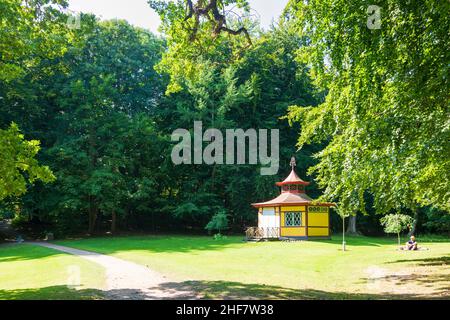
(212,13)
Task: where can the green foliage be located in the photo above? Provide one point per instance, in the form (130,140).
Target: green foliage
(437,221)
(18,165)
(219,236)
(218,222)
(29,33)
(187,54)
(263,83)
(396,223)
(105,158)
(91,109)
(94,98)
(386,111)
(24,29)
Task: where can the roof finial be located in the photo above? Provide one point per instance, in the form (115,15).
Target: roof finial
(293,164)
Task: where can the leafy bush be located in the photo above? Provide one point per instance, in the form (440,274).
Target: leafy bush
(219,236)
(437,221)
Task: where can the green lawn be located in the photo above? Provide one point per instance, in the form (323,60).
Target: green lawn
(32,272)
(230,268)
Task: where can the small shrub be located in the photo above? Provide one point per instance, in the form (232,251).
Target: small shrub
(218,223)
(396,223)
(219,236)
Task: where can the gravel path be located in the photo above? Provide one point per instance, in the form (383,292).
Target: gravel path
(127,280)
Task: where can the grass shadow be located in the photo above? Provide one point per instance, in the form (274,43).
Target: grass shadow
(51,293)
(440,283)
(235,290)
(20,251)
(439,261)
(209,290)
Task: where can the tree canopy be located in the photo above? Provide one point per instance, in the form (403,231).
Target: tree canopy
(386,115)
(365,108)
(18,165)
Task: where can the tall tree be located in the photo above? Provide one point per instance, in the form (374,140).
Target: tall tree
(30,32)
(386,113)
(95,121)
(229,81)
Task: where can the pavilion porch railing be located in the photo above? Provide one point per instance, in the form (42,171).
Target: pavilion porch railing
(262,233)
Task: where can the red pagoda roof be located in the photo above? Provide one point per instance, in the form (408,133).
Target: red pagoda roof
(290,199)
(285,198)
(291,195)
(292,178)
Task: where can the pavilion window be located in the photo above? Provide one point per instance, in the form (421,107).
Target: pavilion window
(293,219)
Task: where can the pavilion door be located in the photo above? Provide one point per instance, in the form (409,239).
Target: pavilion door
(270,223)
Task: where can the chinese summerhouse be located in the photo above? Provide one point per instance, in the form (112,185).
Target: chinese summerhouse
(293,214)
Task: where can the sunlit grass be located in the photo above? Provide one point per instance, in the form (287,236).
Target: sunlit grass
(32,272)
(370,266)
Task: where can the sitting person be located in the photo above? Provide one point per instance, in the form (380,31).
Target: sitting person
(411,244)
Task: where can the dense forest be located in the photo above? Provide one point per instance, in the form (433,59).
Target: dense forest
(88,109)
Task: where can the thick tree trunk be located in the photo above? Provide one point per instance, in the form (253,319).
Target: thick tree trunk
(351,227)
(113,221)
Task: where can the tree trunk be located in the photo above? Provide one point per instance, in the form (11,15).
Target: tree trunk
(93,209)
(113,221)
(92,215)
(351,227)
(127,219)
(343,233)
(416,220)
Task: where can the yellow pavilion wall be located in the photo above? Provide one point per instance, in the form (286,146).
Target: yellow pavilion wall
(319,222)
(293,231)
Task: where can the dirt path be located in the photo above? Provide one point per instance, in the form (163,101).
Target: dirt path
(129,281)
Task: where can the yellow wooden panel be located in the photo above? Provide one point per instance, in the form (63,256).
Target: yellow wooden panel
(293,232)
(294,208)
(318,219)
(318,232)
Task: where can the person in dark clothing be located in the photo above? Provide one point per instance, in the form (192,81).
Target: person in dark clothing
(411,244)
